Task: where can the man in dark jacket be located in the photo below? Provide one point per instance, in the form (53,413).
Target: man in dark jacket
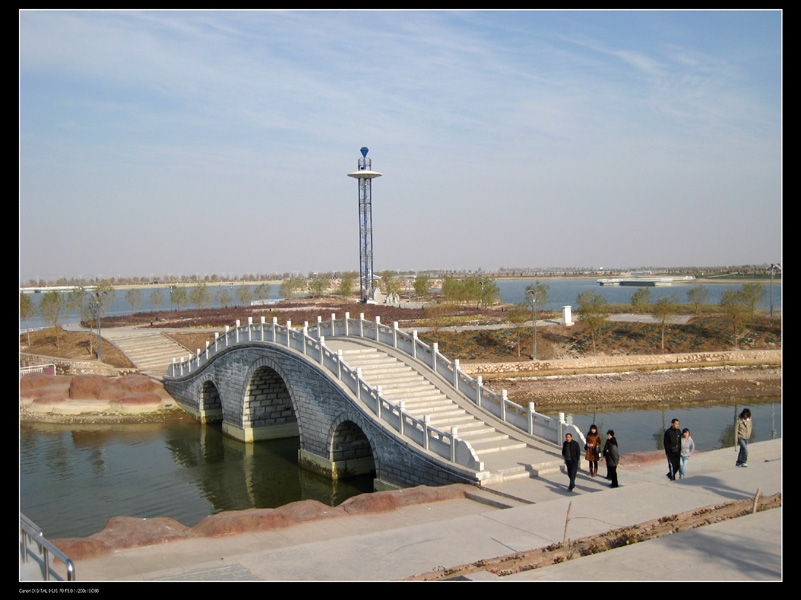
(673,448)
(571,452)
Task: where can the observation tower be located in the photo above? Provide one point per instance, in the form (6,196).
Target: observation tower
(365,175)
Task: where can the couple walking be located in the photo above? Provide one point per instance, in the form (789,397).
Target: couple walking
(571,452)
(678,448)
(679,445)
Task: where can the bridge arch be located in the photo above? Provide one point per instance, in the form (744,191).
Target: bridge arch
(351,450)
(267,402)
(210,405)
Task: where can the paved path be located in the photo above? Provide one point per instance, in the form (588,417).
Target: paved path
(421,538)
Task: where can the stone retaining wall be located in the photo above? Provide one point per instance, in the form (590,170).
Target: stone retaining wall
(623,362)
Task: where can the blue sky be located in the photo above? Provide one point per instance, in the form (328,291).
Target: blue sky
(219,142)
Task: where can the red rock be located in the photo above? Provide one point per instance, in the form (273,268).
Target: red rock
(33,381)
(309,510)
(422,494)
(378,502)
(49,398)
(81,548)
(131,532)
(87,386)
(136,384)
(240,521)
(108,388)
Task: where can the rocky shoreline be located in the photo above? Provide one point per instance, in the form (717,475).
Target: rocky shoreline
(81,399)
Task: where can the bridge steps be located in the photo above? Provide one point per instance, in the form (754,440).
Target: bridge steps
(151,353)
(422,398)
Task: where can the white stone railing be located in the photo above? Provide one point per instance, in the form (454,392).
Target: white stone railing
(525,419)
(445,444)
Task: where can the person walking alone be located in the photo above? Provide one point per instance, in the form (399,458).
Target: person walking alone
(673,448)
(612,455)
(687,448)
(593,448)
(742,433)
(571,452)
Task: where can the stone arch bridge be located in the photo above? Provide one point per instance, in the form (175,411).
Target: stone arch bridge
(365,397)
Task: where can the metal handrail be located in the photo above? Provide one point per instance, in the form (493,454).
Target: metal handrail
(30,531)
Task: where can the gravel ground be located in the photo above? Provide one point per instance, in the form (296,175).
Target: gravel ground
(643,388)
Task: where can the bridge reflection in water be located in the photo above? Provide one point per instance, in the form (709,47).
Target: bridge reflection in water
(362,396)
(74,478)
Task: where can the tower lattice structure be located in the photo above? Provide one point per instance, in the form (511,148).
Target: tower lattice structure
(365,176)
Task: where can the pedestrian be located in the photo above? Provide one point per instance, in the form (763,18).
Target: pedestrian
(742,433)
(673,448)
(612,455)
(687,448)
(571,452)
(593,448)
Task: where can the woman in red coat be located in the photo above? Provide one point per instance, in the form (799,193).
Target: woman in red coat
(593,448)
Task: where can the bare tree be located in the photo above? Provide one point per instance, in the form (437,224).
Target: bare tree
(519,317)
(698,296)
(51,307)
(740,306)
(223,297)
(76,300)
(593,311)
(346,284)
(200,296)
(157,298)
(134,298)
(663,309)
(422,286)
(178,296)
(641,299)
(26,311)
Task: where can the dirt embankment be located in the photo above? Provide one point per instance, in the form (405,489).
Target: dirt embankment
(639,389)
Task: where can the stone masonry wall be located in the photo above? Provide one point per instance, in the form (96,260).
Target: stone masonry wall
(268,401)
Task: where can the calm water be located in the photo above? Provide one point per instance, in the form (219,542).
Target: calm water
(72,480)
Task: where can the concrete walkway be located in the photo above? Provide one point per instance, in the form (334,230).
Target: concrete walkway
(423,538)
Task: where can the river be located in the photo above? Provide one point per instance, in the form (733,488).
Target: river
(74,478)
